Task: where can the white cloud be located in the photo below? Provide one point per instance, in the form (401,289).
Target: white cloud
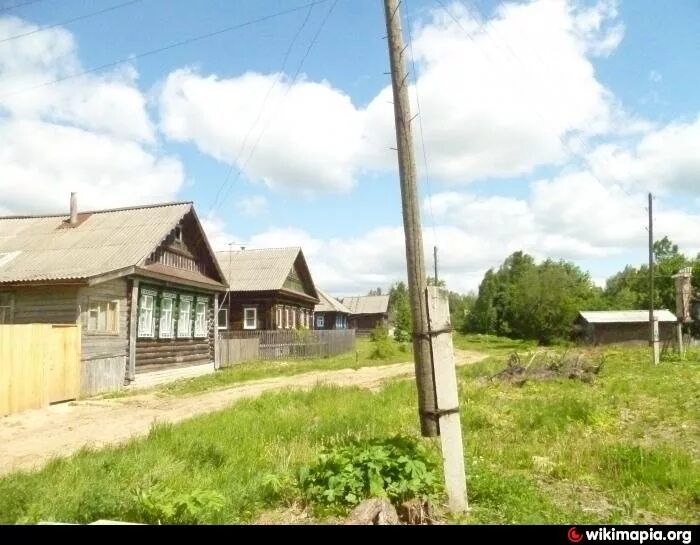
(305,139)
(217,234)
(663,160)
(85,134)
(252,206)
(496,101)
(655,77)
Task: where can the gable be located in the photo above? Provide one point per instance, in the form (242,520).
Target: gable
(299,279)
(185,248)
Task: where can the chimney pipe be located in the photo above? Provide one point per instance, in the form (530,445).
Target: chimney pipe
(73,209)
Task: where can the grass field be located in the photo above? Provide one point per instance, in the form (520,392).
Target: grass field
(625,448)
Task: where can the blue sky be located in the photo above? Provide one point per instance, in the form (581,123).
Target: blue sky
(545,124)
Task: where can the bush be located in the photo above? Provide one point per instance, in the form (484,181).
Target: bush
(398,468)
(160,505)
(379,333)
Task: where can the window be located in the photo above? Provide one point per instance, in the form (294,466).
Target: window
(6,305)
(184,322)
(250,318)
(178,233)
(286,317)
(200,319)
(339,321)
(165,330)
(320,322)
(146,318)
(223,318)
(103,317)
(293,312)
(278,320)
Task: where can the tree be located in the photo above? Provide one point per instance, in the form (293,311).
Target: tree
(400,310)
(377,291)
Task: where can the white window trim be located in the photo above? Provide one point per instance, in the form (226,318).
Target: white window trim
(218,325)
(184,334)
(278,317)
(200,333)
(245,318)
(320,321)
(151,332)
(339,321)
(168,334)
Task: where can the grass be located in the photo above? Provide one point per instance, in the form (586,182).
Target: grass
(624,449)
(243,372)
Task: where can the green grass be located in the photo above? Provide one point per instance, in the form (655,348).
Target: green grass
(491,343)
(243,372)
(624,449)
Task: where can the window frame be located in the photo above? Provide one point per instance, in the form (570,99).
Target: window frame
(339,321)
(143,295)
(203,333)
(108,303)
(320,321)
(7,310)
(245,318)
(180,322)
(218,322)
(170,333)
(278,317)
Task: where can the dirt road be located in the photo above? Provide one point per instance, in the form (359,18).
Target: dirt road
(32,438)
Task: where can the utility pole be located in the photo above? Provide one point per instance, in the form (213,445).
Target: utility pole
(415,258)
(435,264)
(653,324)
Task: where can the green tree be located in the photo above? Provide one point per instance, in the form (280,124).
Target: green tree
(400,311)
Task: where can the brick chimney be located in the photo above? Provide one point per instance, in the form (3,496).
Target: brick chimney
(73,209)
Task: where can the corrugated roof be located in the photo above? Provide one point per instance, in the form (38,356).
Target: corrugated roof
(625,316)
(367,304)
(329,304)
(258,269)
(44,248)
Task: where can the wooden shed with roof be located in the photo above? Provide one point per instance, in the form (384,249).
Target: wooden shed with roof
(142,282)
(367,312)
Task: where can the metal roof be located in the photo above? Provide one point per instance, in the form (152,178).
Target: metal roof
(329,304)
(263,269)
(367,304)
(625,316)
(45,248)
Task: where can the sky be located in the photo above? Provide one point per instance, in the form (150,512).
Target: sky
(541,126)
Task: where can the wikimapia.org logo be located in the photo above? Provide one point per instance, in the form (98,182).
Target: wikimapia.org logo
(637,536)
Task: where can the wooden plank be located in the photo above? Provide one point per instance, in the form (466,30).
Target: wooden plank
(447,399)
(133,326)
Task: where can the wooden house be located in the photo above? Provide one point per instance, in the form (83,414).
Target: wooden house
(367,312)
(622,326)
(142,282)
(269,289)
(330,313)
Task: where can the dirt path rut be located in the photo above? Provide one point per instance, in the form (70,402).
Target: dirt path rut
(32,438)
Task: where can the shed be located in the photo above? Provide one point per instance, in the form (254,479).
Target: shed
(622,326)
(367,312)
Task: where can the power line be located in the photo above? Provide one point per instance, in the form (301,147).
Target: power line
(289,88)
(264,104)
(420,122)
(68,21)
(20,5)
(180,43)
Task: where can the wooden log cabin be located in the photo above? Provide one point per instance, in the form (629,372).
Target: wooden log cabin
(367,312)
(142,282)
(269,289)
(330,313)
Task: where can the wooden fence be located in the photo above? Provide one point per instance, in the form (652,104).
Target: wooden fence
(284,344)
(39,365)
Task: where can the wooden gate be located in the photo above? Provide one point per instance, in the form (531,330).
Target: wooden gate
(39,364)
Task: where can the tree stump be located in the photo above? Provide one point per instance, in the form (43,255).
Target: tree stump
(374,511)
(416,511)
